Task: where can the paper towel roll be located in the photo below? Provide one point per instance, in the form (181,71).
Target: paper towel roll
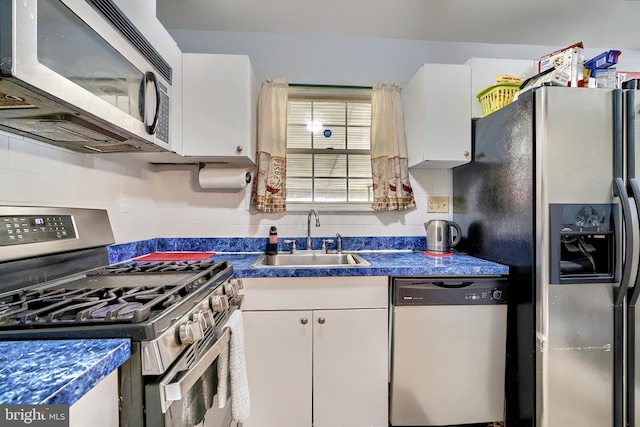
(224,178)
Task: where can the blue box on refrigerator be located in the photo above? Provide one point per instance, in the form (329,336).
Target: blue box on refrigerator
(604,60)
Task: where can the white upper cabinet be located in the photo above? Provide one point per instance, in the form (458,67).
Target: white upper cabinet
(219,109)
(437,116)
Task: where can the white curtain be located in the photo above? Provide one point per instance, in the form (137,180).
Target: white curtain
(391,187)
(269,187)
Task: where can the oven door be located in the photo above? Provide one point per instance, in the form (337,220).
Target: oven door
(186,396)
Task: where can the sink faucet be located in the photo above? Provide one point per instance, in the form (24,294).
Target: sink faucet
(314,212)
(338,243)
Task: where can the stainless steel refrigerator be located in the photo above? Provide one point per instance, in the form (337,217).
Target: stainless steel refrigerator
(550,193)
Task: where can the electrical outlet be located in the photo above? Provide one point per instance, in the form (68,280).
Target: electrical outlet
(438,204)
(124,203)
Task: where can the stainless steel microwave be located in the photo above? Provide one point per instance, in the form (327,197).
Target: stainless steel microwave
(78,74)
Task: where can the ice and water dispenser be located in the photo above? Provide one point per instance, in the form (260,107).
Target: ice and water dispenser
(583,243)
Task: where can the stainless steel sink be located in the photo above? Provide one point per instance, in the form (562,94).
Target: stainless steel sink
(311,259)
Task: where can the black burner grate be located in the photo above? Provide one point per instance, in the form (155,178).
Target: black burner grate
(109,296)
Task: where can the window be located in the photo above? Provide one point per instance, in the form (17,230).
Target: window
(329,145)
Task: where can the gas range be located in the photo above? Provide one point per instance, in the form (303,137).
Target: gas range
(126,293)
(165,306)
(56,283)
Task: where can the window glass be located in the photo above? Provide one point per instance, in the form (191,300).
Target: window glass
(329,146)
(330,137)
(299,190)
(359,166)
(330,165)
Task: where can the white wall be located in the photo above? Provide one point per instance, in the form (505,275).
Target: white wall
(146,201)
(166,202)
(37,174)
(358,61)
(183,210)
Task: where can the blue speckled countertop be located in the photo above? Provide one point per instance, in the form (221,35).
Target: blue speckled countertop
(389,256)
(405,263)
(56,371)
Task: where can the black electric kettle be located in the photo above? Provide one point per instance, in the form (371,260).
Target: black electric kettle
(440,239)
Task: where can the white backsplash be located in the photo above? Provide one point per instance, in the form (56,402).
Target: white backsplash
(145,202)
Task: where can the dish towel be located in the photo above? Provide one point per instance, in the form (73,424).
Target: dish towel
(240,402)
(223,375)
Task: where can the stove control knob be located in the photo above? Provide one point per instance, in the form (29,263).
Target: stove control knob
(497,295)
(238,282)
(216,303)
(190,332)
(219,303)
(205,318)
(231,289)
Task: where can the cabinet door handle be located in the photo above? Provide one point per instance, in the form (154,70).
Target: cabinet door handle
(321,320)
(304,320)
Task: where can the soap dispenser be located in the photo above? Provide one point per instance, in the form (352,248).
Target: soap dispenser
(272,246)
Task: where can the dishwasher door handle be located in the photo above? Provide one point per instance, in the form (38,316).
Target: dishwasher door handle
(453,285)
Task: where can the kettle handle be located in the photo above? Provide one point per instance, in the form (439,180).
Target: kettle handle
(455,240)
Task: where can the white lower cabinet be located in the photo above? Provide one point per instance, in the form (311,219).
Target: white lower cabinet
(319,357)
(350,367)
(279,362)
(99,407)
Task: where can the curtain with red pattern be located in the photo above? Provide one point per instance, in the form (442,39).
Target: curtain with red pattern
(389,165)
(269,187)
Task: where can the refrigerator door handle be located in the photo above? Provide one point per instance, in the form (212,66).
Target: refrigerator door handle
(621,290)
(631,340)
(633,190)
(620,191)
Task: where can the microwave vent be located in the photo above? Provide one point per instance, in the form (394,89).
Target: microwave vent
(71,132)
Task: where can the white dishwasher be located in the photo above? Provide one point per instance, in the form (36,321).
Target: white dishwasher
(448,350)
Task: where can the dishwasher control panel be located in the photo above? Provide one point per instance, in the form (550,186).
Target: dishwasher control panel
(449,291)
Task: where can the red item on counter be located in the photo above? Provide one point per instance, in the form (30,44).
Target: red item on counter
(176,256)
(442,254)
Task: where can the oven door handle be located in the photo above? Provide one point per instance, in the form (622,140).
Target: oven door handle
(175,391)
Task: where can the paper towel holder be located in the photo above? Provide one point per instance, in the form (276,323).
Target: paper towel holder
(202,165)
(222,179)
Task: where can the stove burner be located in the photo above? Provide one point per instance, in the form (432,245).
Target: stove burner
(171,300)
(85,304)
(112,311)
(154,267)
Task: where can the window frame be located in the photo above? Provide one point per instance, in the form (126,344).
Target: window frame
(327,93)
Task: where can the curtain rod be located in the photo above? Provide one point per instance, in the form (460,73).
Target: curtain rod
(329,86)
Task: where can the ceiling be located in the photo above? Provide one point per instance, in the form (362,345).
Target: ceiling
(610,24)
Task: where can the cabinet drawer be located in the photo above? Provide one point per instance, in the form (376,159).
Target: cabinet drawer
(297,293)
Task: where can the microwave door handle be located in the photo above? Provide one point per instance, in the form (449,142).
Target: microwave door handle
(150,77)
